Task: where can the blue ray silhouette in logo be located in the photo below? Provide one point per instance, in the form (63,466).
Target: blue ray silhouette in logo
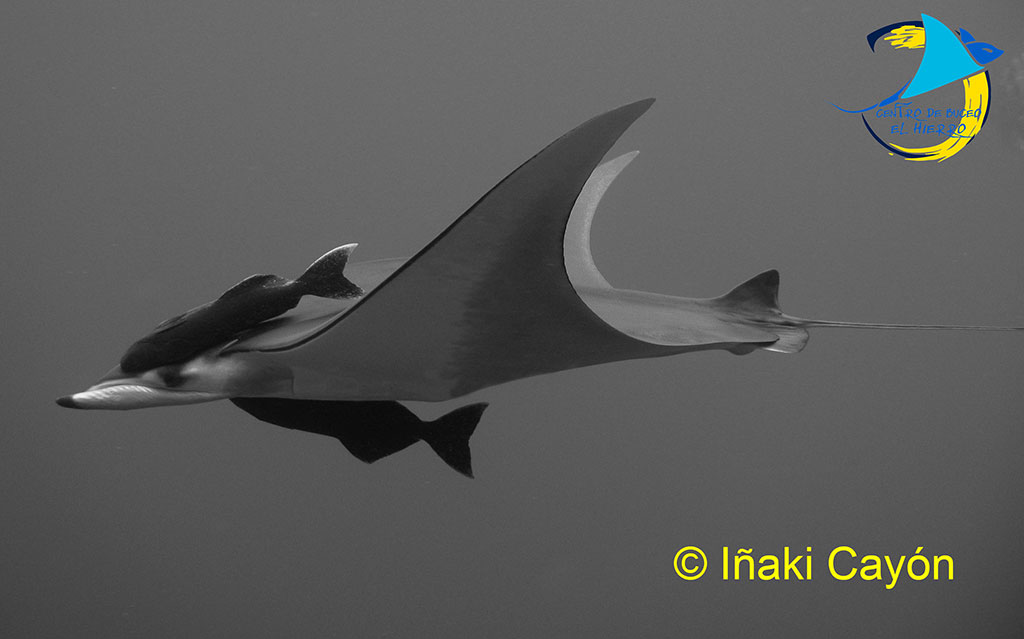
(947,58)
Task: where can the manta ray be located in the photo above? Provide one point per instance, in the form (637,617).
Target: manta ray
(509,290)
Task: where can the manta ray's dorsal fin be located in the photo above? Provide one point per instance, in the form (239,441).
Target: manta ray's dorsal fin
(579,262)
(759,294)
(758,299)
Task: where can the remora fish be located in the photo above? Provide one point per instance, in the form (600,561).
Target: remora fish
(255,299)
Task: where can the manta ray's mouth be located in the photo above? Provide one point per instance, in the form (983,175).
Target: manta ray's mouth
(131,395)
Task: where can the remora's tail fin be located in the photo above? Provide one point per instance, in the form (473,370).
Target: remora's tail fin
(449,436)
(325,278)
(758,299)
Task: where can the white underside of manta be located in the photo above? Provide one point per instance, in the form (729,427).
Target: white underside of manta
(508,291)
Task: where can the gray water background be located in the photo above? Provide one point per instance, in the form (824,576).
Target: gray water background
(153,154)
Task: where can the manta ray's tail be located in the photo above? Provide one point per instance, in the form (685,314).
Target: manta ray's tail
(904,327)
(449,436)
(757,300)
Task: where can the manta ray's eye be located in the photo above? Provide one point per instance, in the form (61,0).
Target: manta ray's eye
(171,376)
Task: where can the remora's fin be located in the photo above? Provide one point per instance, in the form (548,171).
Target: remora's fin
(325,278)
(250,283)
(449,436)
(758,298)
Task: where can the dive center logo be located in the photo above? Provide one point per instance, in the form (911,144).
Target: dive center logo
(948,57)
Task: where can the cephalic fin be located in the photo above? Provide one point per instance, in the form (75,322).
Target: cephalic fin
(325,278)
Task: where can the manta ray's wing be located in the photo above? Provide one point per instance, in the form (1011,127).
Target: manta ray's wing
(579,262)
(659,319)
(315,313)
(487,301)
